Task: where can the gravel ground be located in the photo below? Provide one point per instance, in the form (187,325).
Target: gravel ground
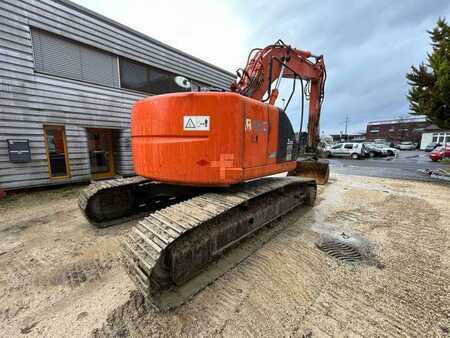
(61,277)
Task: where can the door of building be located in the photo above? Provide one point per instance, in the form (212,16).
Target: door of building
(101,157)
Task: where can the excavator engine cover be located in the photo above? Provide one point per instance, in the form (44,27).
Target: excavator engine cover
(210,139)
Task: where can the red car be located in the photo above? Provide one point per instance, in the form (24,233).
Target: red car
(440,152)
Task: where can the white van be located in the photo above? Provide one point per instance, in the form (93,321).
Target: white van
(353,150)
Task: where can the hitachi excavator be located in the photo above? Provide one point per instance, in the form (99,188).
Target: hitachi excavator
(203,159)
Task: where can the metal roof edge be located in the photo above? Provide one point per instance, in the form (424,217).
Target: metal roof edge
(400,119)
(117,24)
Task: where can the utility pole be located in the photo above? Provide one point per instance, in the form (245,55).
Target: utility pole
(346,125)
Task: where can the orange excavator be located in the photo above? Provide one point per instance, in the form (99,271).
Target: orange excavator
(203,159)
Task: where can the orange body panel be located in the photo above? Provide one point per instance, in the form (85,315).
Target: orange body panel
(205,139)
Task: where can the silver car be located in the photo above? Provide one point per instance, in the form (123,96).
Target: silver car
(406,145)
(353,150)
(387,151)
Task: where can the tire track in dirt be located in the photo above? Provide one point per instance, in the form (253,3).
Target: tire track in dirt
(399,309)
(286,288)
(269,295)
(250,291)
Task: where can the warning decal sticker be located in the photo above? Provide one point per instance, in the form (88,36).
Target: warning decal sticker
(195,123)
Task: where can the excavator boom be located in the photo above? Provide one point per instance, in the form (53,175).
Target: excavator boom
(278,61)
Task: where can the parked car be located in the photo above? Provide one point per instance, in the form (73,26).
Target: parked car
(353,150)
(387,150)
(406,145)
(440,153)
(371,150)
(432,146)
(385,142)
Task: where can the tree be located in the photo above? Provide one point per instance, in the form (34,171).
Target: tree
(429,94)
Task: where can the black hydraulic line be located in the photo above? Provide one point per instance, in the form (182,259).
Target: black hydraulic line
(304,88)
(302,110)
(270,74)
(270,80)
(292,93)
(322,88)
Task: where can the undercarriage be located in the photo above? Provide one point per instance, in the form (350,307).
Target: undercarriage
(109,202)
(169,248)
(170,253)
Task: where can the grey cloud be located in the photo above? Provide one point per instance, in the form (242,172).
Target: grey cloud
(368,46)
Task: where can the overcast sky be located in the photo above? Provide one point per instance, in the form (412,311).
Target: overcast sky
(368,45)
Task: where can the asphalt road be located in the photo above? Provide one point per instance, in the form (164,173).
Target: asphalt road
(406,166)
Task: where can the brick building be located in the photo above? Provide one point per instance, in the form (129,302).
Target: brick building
(356,137)
(397,130)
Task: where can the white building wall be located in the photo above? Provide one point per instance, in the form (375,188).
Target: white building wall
(436,136)
(426,140)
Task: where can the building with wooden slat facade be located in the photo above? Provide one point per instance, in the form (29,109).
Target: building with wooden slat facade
(68,79)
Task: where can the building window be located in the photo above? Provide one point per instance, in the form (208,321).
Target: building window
(56,55)
(375,131)
(441,138)
(56,147)
(198,86)
(435,137)
(143,78)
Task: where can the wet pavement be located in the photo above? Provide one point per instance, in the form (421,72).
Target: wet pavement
(405,166)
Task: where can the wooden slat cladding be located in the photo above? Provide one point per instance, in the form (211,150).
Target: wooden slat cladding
(30,99)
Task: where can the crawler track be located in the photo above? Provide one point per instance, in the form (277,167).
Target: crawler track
(169,253)
(109,202)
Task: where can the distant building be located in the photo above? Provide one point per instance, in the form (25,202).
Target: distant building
(433,133)
(356,137)
(397,130)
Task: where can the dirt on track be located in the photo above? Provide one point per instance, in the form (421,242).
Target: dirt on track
(61,277)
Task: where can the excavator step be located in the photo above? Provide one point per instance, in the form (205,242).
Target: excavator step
(169,254)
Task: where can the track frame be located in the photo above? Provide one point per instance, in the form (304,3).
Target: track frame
(170,254)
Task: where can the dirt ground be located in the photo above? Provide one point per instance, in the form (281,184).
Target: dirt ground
(60,277)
